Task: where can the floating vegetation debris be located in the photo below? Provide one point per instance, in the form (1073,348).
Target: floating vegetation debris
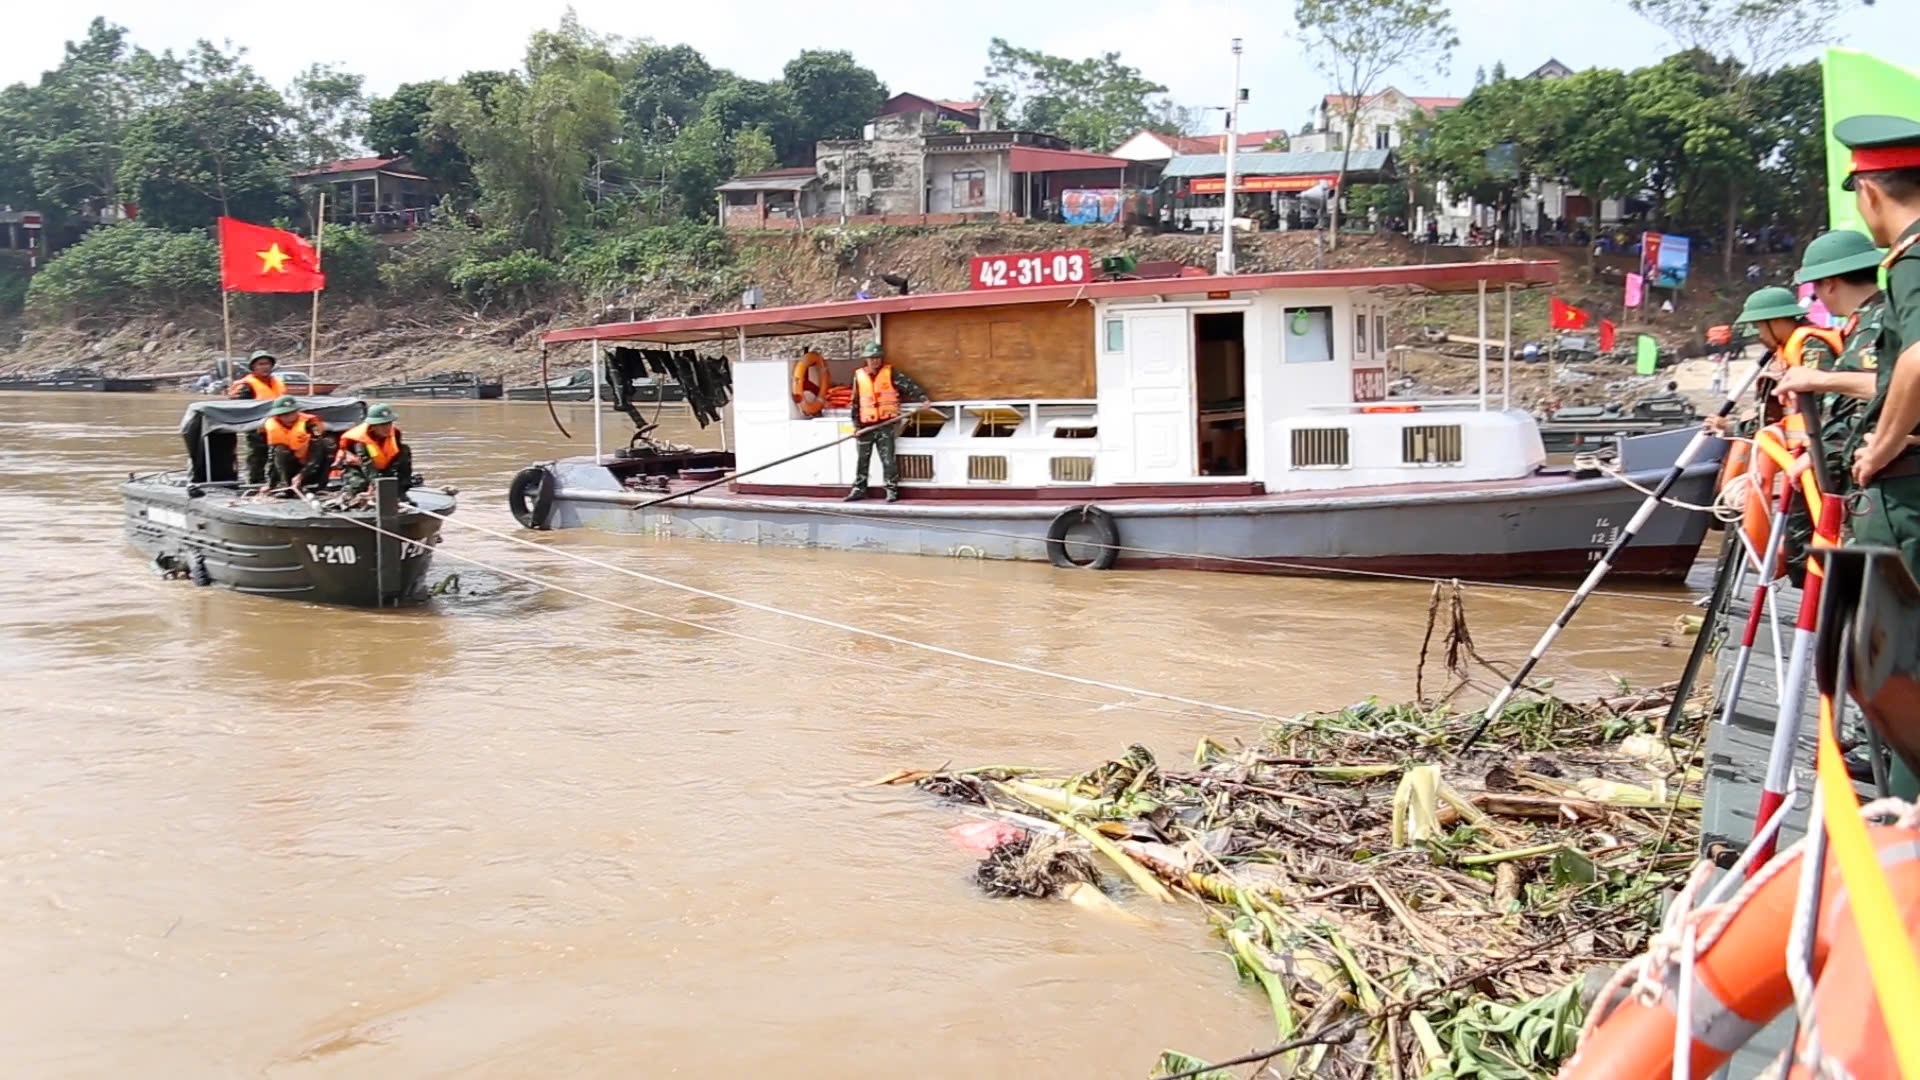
(1404,911)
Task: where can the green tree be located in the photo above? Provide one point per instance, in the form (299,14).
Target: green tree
(665,92)
(402,125)
(532,145)
(737,104)
(833,95)
(1096,103)
(68,134)
(1355,44)
(1794,162)
(1493,145)
(1742,41)
(328,112)
(215,149)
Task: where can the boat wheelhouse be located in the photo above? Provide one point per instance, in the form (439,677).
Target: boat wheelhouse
(1228,422)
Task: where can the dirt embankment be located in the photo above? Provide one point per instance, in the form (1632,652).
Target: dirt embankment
(390,339)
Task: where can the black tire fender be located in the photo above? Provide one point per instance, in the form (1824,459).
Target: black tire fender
(1106,535)
(530,496)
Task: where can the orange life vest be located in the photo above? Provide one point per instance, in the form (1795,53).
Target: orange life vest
(877,398)
(811,383)
(263,389)
(296,436)
(383,450)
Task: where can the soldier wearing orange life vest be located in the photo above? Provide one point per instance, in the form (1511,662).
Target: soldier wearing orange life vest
(259,384)
(372,450)
(298,449)
(1795,343)
(877,392)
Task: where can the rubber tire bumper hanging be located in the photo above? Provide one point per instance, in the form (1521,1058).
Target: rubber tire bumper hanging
(1106,535)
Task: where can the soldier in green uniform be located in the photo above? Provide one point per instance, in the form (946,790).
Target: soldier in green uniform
(1885,179)
(1779,319)
(1844,269)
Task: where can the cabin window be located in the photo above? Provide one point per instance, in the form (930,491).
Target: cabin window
(969,188)
(915,466)
(1360,333)
(996,421)
(924,424)
(1432,444)
(1309,335)
(1380,333)
(1320,448)
(1072,470)
(1116,335)
(985,467)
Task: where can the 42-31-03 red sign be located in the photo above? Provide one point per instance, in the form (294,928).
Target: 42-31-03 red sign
(1032,268)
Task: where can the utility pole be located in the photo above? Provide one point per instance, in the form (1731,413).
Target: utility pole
(1225,265)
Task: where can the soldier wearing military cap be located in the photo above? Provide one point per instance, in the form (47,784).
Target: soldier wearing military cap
(1795,344)
(1844,269)
(1884,176)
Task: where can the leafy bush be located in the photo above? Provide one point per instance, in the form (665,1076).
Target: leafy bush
(13,290)
(522,275)
(425,264)
(687,255)
(127,268)
(351,258)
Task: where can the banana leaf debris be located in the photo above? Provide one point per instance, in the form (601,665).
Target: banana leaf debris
(1402,910)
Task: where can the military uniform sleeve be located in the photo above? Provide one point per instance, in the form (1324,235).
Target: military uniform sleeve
(909,390)
(1903,295)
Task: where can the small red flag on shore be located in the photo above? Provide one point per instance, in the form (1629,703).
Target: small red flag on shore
(1564,316)
(255,258)
(1607,332)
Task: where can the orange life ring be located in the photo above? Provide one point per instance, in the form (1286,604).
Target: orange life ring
(811,383)
(1740,980)
(1739,453)
(1763,492)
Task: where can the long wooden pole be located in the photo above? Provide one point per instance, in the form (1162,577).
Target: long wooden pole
(313,333)
(226,322)
(1600,569)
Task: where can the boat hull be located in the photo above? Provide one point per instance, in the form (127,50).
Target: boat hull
(1543,526)
(88,384)
(277,547)
(486,391)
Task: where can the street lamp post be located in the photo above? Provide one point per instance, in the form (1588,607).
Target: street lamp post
(1225,265)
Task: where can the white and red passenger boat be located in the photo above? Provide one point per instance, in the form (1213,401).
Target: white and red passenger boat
(1227,422)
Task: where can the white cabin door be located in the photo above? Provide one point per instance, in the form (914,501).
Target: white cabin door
(1160,393)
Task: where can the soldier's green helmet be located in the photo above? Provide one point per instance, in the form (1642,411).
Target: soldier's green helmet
(1839,252)
(1772,302)
(283,406)
(380,414)
(873,349)
(262,354)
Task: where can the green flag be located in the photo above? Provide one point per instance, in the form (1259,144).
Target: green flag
(1854,83)
(1646,355)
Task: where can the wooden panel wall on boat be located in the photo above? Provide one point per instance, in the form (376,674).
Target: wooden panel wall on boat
(1020,352)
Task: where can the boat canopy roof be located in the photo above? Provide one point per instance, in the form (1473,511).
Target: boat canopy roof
(246,414)
(859,314)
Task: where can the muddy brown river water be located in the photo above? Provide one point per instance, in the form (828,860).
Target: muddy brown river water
(514,833)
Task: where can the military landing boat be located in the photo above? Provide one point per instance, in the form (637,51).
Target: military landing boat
(204,524)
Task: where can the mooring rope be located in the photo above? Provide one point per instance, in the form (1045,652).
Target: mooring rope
(860,631)
(788,646)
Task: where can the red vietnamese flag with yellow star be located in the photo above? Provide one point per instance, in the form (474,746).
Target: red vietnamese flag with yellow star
(255,258)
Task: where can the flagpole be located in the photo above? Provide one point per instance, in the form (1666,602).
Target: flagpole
(313,339)
(226,321)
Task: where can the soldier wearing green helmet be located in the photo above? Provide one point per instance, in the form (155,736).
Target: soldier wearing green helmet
(1795,344)
(372,450)
(1844,269)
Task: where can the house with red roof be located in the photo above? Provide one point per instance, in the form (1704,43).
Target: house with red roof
(381,193)
(933,161)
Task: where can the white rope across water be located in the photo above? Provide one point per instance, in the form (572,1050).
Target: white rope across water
(848,628)
(808,651)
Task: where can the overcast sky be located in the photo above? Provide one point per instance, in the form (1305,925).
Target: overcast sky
(935,50)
